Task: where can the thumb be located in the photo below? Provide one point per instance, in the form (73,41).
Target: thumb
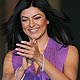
(33,42)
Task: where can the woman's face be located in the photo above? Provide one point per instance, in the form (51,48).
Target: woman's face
(34,23)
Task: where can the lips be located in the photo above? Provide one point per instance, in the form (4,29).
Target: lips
(35,30)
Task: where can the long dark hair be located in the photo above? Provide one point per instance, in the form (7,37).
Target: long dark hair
(57,28)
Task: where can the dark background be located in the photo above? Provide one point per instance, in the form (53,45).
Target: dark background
(70,7)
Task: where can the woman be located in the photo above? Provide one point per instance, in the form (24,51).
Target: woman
(39,44)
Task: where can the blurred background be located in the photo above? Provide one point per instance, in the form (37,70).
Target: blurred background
(70,7)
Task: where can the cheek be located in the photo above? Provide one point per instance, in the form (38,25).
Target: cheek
(24,25)
(43,23)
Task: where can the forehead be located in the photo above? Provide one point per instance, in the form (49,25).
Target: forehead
(31,11)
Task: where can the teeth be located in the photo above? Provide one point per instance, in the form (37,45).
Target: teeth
(33,30)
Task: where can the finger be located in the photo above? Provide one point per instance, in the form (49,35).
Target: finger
(36,44)
(24,46)
(25,55)
(32,42)
(26,43)
(25,51)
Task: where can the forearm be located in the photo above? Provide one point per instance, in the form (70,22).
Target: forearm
(8,76)
(52,72)
(13,76)
(19,74)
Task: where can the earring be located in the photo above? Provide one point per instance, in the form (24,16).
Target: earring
(47,21)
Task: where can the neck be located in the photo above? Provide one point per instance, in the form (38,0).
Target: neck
(42,43)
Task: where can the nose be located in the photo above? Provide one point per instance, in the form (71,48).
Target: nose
(31,23)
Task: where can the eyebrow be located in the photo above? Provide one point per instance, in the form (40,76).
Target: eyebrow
(24,17)
(32,16)
(37,14)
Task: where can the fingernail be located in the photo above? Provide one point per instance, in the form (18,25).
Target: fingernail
(22,41)
(16,48)
(17,44)
(18,53)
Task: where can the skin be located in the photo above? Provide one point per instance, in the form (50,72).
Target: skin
(34,24)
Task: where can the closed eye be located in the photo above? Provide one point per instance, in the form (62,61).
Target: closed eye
(37,17)
(23,20)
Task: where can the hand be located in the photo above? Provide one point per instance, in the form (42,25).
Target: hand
(29,50)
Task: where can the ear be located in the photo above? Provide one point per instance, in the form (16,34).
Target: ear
(47,21)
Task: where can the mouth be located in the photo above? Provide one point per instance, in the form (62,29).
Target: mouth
(35,30)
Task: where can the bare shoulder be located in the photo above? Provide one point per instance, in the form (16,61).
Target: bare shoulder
(73,48)
(8,56)
(8,70)
(71,62)
(73,52)
(7,67)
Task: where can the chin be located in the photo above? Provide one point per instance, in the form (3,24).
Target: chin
(34,38)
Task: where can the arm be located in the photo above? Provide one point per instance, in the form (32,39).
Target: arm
(8,71)
(70,65)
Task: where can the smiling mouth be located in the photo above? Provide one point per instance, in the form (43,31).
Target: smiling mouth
(33,30)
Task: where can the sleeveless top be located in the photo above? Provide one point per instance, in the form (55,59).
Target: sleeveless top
(54,52)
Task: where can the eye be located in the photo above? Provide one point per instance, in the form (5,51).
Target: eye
(38,17)
(23,20)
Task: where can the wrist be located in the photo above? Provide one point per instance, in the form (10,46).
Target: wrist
(19,73)
(21,68)
(41,61)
